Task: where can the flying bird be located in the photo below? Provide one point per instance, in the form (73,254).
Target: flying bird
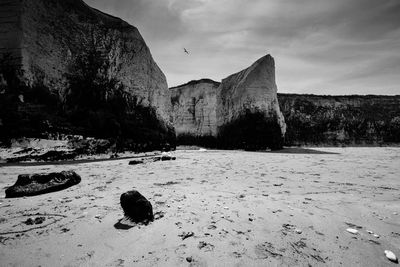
(184,49)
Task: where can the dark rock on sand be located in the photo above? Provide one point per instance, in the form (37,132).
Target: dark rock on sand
(136,207)
(36,184)
(136,162)
(38,220)
(153,159)
(165,158)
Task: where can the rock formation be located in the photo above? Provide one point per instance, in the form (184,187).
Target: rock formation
(240,112)
(54,48)
(37,184)
(136,207)
(341,120)
(246,102)
(248,114)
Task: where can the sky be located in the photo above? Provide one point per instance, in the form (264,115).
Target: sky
(319,46)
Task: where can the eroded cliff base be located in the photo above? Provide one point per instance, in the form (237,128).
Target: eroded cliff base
(207,141)
(352,120)
(43,115)
(251,131)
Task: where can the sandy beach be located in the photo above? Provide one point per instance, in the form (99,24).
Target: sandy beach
(214,208)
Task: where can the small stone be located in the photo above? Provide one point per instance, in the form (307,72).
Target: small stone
(185,235)
(189,259)
(376,236)
(40,220)
(370,232)
(136,162)
(298,231)
(390,255)
(29,221)
(352,231)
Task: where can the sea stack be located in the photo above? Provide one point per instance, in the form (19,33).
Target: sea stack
(242,112)
(248,113)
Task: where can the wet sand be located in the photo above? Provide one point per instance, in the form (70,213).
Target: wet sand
(243,208)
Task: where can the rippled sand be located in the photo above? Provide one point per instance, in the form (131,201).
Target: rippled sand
(244,208)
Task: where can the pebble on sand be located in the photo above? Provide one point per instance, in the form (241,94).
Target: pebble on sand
(390,255)
(352,231)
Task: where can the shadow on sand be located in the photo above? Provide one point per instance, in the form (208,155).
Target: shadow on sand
(124,224)
(301,150)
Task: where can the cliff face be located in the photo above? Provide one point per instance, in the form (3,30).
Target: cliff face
(241,112)
(45,41)
(243,108)
(247,108)
(341,120)
(194,108)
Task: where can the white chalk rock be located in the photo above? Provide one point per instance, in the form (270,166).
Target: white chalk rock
(390,255)
(352,231)
(166,154)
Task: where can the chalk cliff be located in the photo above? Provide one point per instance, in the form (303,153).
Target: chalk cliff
(240,106)
(248,112)
(240,112)
(341,120)
(45,41)
(194,108)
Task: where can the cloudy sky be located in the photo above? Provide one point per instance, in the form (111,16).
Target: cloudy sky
(319,46)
